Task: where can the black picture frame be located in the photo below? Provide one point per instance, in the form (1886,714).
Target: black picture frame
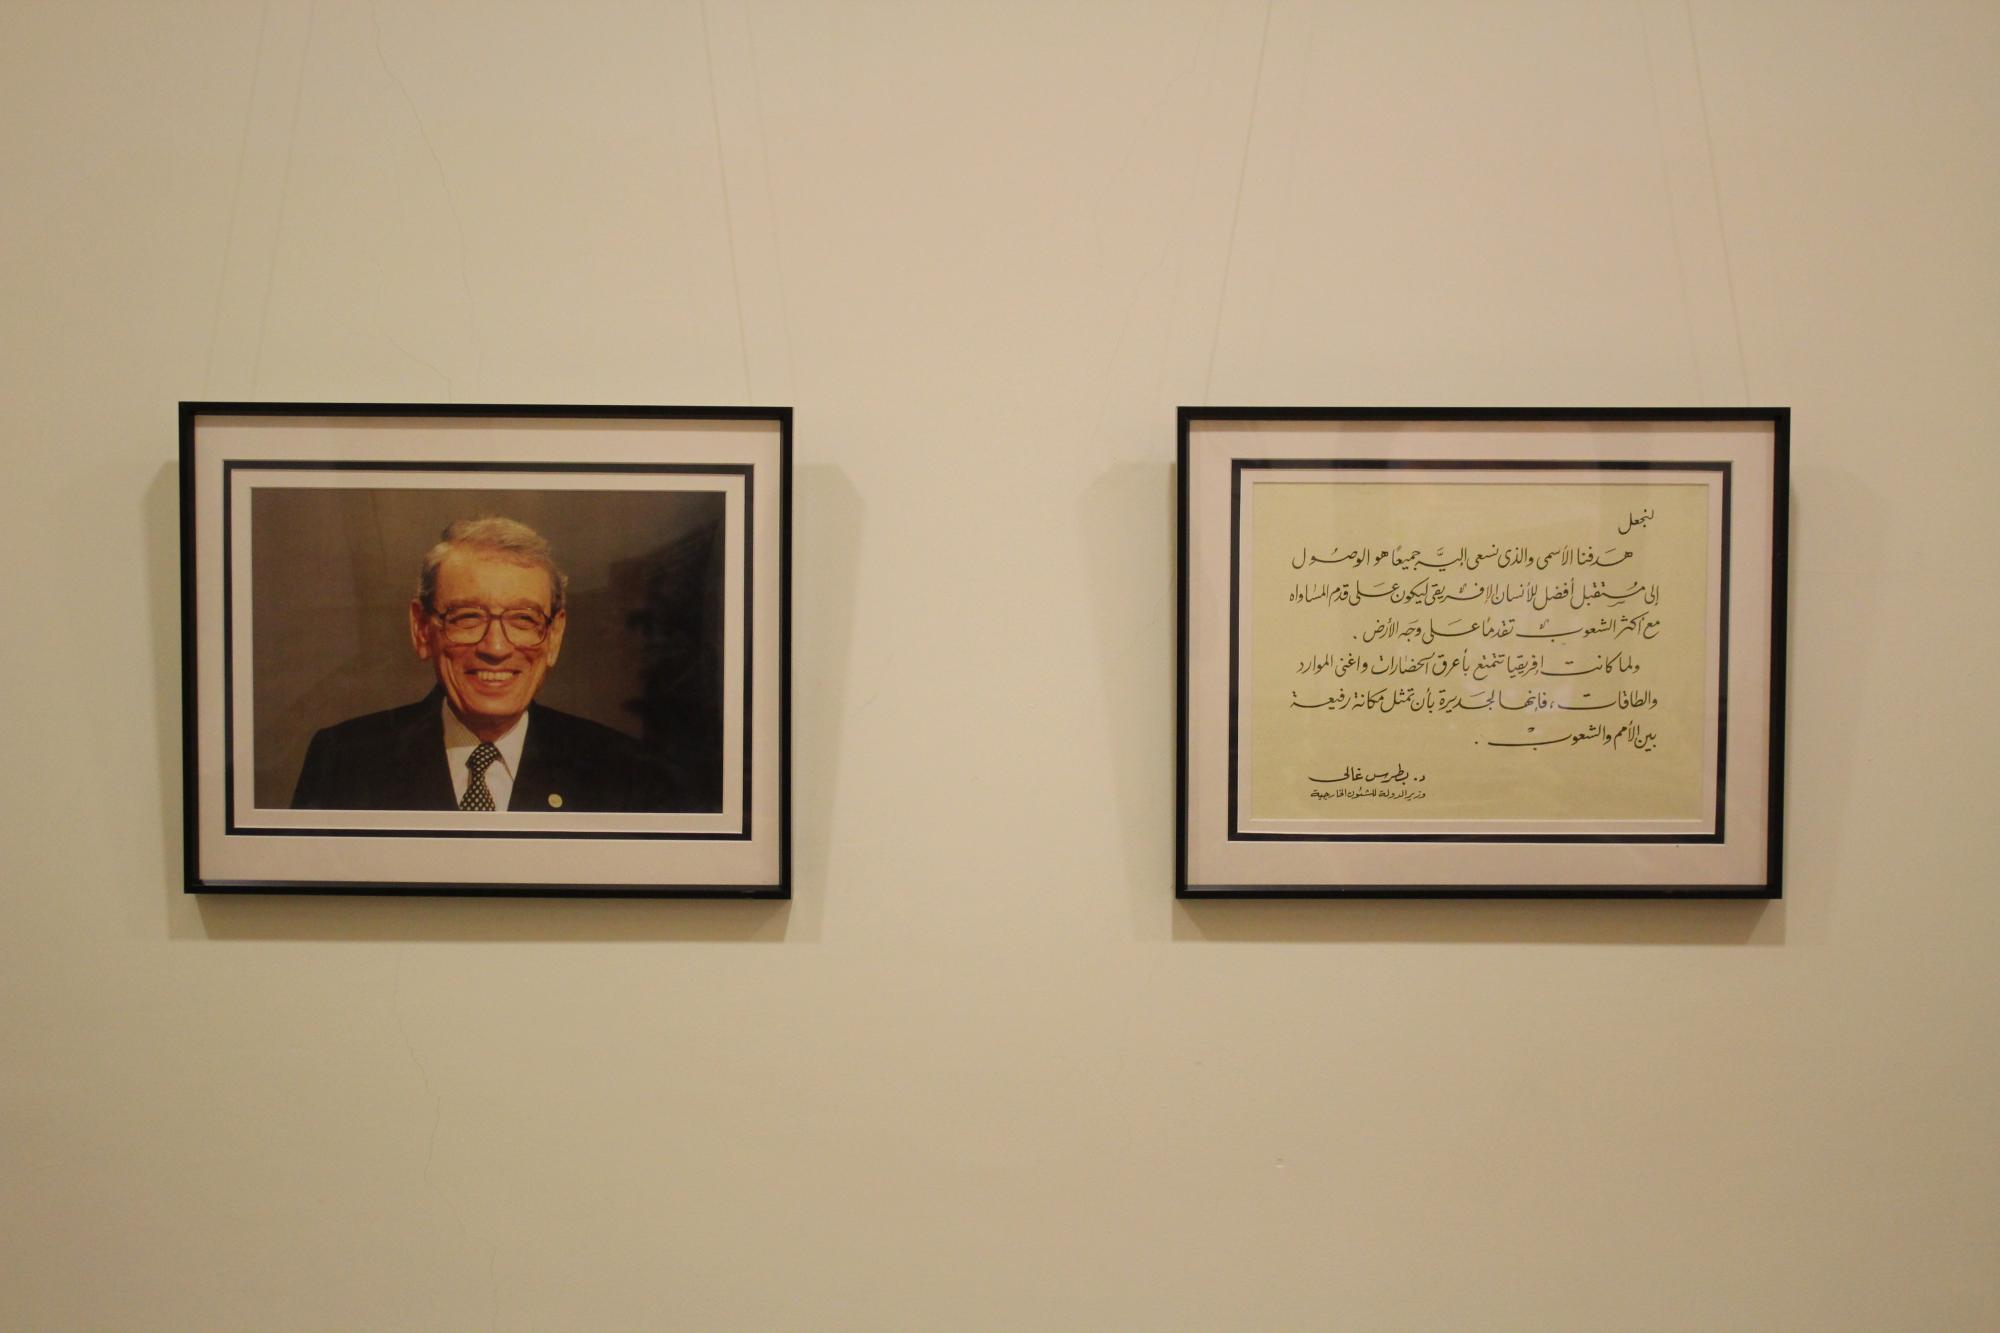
(1710,828)
(666,772)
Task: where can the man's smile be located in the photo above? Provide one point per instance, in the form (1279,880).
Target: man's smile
(495,677)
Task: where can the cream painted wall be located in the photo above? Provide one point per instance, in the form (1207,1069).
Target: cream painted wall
(983,1072)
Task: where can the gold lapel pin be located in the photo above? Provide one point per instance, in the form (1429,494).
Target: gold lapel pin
(555,800)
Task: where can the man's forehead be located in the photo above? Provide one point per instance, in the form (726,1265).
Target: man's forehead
(473,573)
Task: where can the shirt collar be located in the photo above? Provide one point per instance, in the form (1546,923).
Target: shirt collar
(459,741)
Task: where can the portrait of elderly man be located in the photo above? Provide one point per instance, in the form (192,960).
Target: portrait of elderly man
(489,618)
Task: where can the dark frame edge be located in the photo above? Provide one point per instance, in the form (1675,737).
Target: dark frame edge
(1189,415)
(424,889)
(1380,892)
(1181,517)
(783,888)
(190,684)
(615,411)
(1781,567)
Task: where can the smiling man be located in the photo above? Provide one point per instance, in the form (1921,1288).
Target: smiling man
(489,617)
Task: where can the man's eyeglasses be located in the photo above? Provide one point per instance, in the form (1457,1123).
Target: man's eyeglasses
(467,625)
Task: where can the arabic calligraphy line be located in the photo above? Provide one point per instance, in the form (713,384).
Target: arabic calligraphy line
(1465,558)
(1574,593)
(1629,733)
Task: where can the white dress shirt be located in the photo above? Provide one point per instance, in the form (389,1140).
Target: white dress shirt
(459,744)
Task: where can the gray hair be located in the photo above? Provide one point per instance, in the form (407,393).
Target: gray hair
(507,537)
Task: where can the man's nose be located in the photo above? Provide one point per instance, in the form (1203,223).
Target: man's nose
(494,642)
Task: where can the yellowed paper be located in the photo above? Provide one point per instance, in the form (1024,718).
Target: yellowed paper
(1461,649)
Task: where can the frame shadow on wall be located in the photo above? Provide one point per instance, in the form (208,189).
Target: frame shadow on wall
(1136,655)
(1488,921)
(828,525)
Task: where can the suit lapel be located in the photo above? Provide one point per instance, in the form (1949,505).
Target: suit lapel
(422,778)
(541,777)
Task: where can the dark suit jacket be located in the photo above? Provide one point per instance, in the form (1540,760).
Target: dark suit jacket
(395,760)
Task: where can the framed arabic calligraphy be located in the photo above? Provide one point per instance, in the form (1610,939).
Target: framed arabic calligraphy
(1481,652)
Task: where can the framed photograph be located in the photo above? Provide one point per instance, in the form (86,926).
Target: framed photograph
(1481,652)
(486,650)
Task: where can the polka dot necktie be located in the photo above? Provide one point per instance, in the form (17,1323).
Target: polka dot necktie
(476,796)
